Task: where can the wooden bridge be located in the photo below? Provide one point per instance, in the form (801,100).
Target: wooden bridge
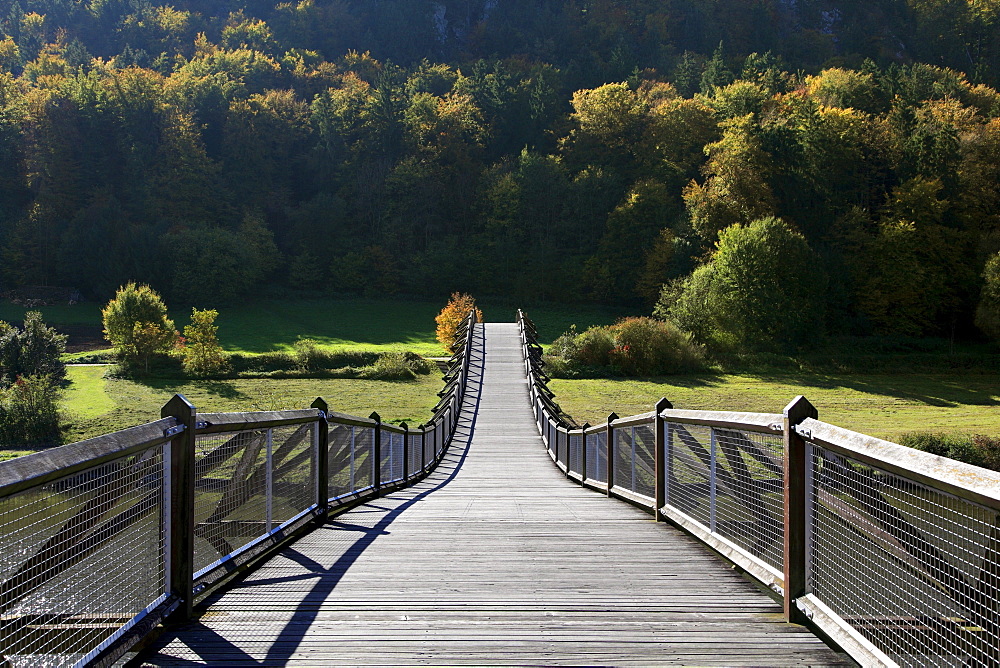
(494,558)
(487,551)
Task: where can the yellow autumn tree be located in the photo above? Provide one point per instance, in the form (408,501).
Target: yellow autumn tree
(451,316)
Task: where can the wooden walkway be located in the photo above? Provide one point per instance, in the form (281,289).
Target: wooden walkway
(495,558)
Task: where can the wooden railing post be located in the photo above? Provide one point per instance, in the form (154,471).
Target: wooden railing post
(611,452)
(180,553)
(660,462)
(322,457)
(377,452)
(583,451)
(406,450)
(795,464)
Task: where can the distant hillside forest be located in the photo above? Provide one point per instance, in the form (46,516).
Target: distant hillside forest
(588,150)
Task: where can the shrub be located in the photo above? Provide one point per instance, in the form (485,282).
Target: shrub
(308,355)
(31,351)
(978,450)
(311,354)
(29,413)
(396,366)
(594,346)
(631,347)
(989,450)
(565,345)
(648,347)
(202,353)
(136,324)
(452,315)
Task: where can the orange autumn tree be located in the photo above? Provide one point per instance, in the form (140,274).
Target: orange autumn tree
(452,315)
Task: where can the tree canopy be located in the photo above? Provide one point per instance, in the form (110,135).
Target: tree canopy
(558,150)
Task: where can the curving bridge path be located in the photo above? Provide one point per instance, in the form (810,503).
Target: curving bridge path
(494,558)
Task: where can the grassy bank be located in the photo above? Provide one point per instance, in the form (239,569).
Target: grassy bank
(882,405)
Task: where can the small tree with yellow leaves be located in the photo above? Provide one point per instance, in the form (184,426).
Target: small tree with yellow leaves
(452,315)
(136,324)
(202,353)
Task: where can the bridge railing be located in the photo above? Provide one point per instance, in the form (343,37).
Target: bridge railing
(102,540)
(891,552)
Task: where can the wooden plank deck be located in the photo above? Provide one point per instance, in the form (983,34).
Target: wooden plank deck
(495,558)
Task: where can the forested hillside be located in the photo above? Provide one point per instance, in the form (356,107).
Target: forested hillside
(570,151)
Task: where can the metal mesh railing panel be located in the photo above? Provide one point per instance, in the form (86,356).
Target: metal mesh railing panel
(634,469)
(643,467)
(364,457)
(342,464)
(749,502)
(563,448)
(576,453)
(293,471)
(385,452)
(622,457)
(398,453)
(914,570)
(80,557)
(416,448)
(597,456)
(430,443)
(688,487)
(230,492)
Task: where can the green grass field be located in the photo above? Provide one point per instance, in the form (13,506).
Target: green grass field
(878,405)
(93,405)
(884,405)
(338,324)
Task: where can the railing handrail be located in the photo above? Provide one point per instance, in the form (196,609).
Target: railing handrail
(41,467)
(970,482)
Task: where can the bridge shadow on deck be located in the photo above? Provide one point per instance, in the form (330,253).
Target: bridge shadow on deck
(207,645)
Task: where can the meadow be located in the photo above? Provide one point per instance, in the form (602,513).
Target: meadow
(880,404)
(93,404)
(336,324)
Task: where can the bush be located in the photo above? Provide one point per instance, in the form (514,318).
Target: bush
(29,413)
(451,316)
(202,353)
(136,324)
(396,366)
(31,351)
(630,347)
(298,364)
(648,347)
(308,356)
(262,363)
(594,346)
(978,450)
(565,344)
(988,448)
